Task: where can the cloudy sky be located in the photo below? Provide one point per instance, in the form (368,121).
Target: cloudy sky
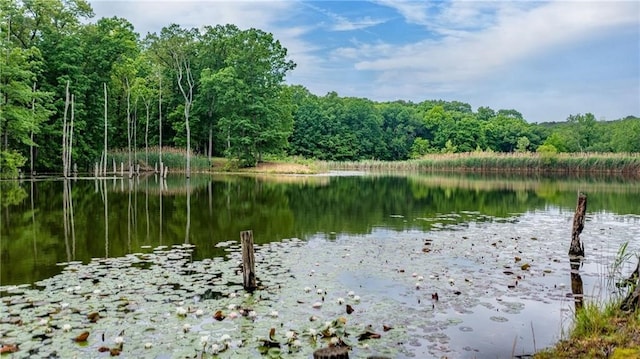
(545,59)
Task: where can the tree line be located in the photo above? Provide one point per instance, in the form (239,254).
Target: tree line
(221,91)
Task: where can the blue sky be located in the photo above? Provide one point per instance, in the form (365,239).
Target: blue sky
(546,59)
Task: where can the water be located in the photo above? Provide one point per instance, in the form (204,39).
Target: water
(366,232)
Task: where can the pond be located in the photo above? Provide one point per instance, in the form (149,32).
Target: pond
(401,265)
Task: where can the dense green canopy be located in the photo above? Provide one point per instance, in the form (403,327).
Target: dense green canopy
(221,91)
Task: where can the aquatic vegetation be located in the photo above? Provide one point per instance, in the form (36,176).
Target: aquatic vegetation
(161,303)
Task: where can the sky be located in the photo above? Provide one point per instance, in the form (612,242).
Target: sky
(545,59)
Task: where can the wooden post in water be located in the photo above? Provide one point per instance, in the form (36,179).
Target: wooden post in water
(331,353)
(248,261)
(577,248)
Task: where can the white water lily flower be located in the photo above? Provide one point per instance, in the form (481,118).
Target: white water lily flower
(186,327)
(334,340)
(118,340)
(199,312)
(297,343)
(252,314)
(181,311)
(420,278)
(97,291)
(340,300)
(319,291)
(43,322)
(414,274)
(231,306)
(215,348)
(225,337)
(290,334)
(307,289)
(317,305)
(148,345)
(313,332)
(204,339)
(232,295)
(66,327)
(351,293)
(356,298)
(274,313)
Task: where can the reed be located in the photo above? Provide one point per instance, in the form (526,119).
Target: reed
(621,163)
(174,158)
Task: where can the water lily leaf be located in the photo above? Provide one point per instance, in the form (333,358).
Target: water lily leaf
(369,335)
(350,309)
(219,316)
(8,348)
(82,337)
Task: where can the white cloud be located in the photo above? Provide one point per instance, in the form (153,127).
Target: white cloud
(343,24)
(413,12)
(515,34)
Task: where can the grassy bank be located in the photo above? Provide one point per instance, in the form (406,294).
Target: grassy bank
(600,332)
(611,163)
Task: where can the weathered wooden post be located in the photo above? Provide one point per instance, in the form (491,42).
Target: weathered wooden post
(248,261)
(577,248)
(331,353)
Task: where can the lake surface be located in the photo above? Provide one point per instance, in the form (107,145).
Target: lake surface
(395,239)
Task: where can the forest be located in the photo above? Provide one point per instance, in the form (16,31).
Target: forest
(73,90)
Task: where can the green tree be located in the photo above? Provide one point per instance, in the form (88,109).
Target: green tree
(400,124)
(625,135)
(256,64)
(584,130)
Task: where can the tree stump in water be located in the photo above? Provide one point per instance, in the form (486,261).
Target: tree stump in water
(576,248)
(331,353)
(248,261)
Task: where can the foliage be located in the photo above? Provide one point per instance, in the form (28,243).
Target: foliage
(10,163)
(221,91)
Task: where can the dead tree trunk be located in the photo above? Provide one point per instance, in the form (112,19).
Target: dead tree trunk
(577,248)
(331,353)
(632,300)
(248,261)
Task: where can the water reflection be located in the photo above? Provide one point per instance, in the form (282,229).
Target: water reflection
(577,287)
(47,222)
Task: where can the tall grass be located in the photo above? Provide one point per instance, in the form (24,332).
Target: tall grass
(623,163)
(174,158)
